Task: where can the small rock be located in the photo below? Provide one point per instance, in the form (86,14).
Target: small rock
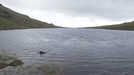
(41,52)
(16,63)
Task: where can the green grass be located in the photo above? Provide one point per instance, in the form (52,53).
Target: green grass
(6,60)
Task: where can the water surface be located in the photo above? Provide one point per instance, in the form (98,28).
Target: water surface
(79,51)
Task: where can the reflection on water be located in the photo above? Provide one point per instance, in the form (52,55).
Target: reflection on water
(79,51)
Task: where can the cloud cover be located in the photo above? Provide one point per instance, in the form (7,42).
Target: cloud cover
(75,13)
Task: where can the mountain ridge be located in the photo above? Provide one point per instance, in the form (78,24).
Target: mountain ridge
(123,26)
(10,19)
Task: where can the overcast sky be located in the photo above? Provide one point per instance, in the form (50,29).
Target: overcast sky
(75,13)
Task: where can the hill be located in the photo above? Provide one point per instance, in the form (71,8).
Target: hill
(124,26)
(10,19)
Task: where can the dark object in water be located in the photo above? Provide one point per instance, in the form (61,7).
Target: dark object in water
(42,52)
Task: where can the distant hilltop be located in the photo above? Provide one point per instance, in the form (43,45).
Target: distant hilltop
(123,26)
(10,19)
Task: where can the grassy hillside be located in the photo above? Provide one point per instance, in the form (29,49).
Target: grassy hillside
(13,20)
(124,26)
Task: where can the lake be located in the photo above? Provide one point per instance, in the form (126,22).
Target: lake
(78,51)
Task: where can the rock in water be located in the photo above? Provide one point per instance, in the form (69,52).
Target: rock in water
(16,63)
(42,52)
(3,65)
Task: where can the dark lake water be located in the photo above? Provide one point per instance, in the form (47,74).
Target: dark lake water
(79,51)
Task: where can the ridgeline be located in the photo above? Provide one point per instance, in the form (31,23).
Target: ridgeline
(124,26)
(10,19)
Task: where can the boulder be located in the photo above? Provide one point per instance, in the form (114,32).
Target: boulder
(15,63)
(3,65)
